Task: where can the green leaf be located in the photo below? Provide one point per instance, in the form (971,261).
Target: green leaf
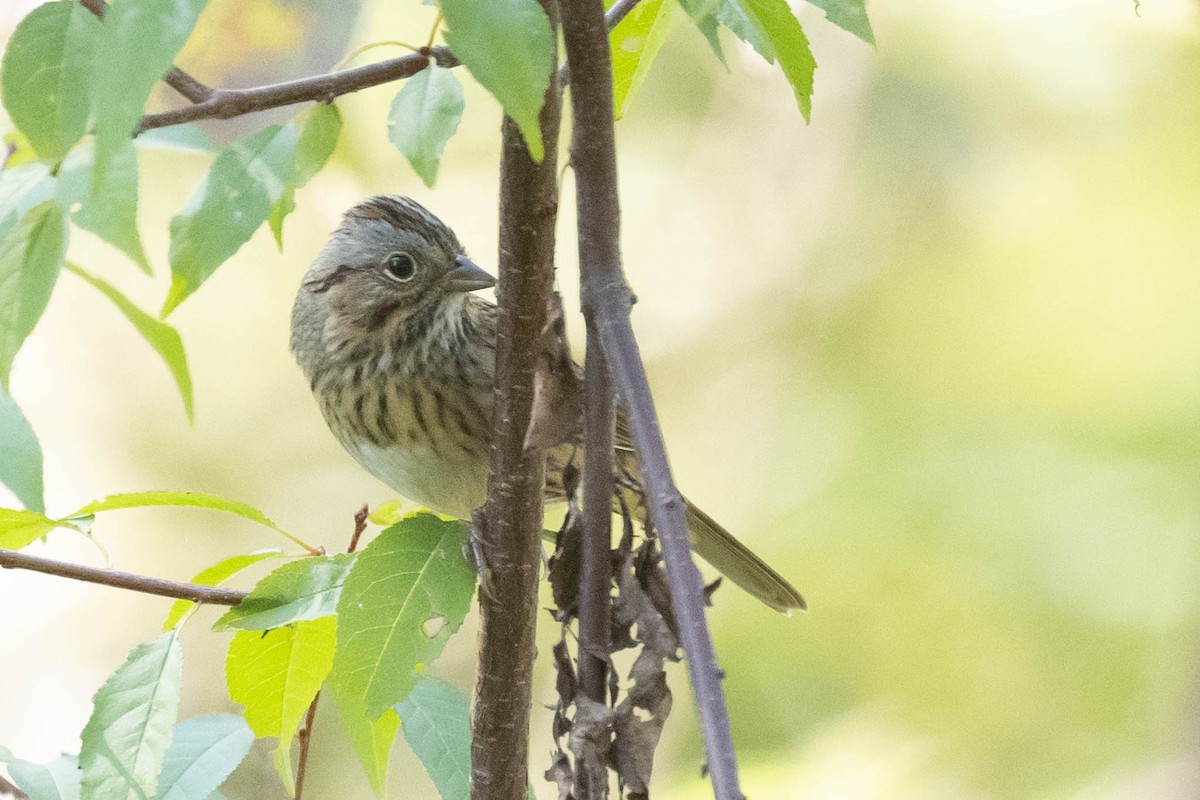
(203,752)
(307,588)
(127,736)
(218,573)
(704,14)
(507,45)
(116,502)
(20,456)
(372,740)
(276,675)
(56,780)
(635,42)
(137,43)
(189,138)
(425,114)
(319,132)
(849,15)
(47,73)
(437,724)
(20,529)
(30,257)
(777,22)
(734,17)
(22,188)
(110,208)
(320,127)
(408,592)
(227,208)
(161,336)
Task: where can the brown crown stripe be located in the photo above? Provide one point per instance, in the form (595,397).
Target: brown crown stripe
(408,215)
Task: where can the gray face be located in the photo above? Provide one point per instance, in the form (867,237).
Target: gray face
(390,264)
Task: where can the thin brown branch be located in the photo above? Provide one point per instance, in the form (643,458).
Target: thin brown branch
(216,103)
(227,103)
(510,533)
(306,731)
(177,79)
(7,788)
(305,737)
(11,559)
(606,305)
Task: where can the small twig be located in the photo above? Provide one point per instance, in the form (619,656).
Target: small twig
(305,734)
(177,79)
(228,103)
(305,737)
(9,789)
(11,559)
(360,525)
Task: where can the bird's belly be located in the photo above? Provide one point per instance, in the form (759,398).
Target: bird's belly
(448,485)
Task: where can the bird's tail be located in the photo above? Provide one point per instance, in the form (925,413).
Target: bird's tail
(738,563)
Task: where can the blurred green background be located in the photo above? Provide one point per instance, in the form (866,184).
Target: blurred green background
(934,356)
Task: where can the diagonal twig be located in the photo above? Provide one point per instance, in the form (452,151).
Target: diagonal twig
(606,304)
(11,559)
(215,103)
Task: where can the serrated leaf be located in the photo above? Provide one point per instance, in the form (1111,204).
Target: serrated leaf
(116,502)
(320,127)
(783,31)
(507,45)
(20,456)
(19,529)
(215,575)
(305,589)
(110,207)
(127,736)
(849,15)
(635,42)
(162,337)
(734,17)
(46,75)
(226,209)
(437,725)
(55,780)
(22,188)
(425,114)
(203,752)
(704,13)
(276,675)
(372,740)
(30,258)
(408,592)
(137,42)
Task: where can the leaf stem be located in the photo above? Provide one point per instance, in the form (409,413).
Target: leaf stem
(433,31)
(11,559)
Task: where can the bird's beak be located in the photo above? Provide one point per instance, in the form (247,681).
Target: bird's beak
(467,277)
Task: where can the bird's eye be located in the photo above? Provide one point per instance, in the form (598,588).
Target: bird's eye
(400,266)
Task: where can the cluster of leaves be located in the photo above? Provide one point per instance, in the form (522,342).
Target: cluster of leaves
(365,625)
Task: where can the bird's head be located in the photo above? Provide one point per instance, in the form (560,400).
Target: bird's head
(390,265)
